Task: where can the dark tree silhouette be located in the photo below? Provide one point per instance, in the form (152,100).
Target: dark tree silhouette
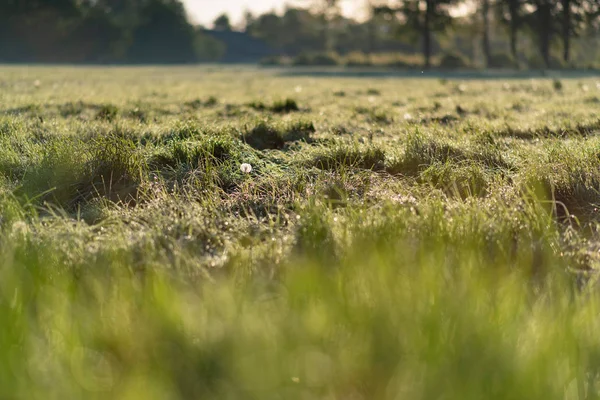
(158,31)
(222,23)
(542,22)
(511,14)
(424,16)
(163,35)
(485,40)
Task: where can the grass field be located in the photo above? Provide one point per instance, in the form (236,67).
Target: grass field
(390,238)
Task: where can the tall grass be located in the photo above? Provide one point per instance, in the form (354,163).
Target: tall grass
(418,304)
(452,255)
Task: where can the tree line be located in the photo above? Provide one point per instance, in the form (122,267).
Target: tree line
(101,31)
(488,27)
(549,32)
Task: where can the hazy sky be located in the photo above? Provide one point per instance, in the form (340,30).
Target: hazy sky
(205,11)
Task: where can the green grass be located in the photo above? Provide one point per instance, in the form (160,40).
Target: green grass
(409,239)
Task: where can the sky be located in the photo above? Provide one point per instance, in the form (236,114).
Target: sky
(205,11)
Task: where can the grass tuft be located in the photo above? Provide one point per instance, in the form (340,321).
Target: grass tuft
(266,136)
(107,112)
(114,170)
(284,106)
(343,156)
(421,153)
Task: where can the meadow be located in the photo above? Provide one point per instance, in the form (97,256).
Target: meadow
(240,233)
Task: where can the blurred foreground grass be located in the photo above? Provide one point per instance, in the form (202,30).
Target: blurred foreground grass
(396,239)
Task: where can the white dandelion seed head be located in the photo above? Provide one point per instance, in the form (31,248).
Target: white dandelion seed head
(246,168)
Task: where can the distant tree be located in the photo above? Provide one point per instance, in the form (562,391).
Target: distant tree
(207,48)
(372,24)
(575,18)
(567,28)
(485,39)
(268,27)
(249,20)
(542,21)
(38,29)
(96,37)
(222,23)
(512,14)
(422,17)
(163,34)
(328,10)
(301,31)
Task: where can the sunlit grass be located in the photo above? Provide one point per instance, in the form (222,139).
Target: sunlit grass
(163,236)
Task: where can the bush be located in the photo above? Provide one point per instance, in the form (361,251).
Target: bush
(274,61)
(537,62)
(209,49)
(400,60)
(303,59)
(326,59)
(502,60)
(454,61)
(358,59)
(318,59)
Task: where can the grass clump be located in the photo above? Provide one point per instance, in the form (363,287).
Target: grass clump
(284,106)
(379,116)
(71,172)
(462,180)
(196,104)
(71,109)
(569,176)
(114,170)
(208,161)
(194,153)
(580,129)
(107,112)
(348,156)
(420,153)
(57,174)
(265,135)
(557,85)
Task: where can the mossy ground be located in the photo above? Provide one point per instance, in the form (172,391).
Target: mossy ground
(396,238)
